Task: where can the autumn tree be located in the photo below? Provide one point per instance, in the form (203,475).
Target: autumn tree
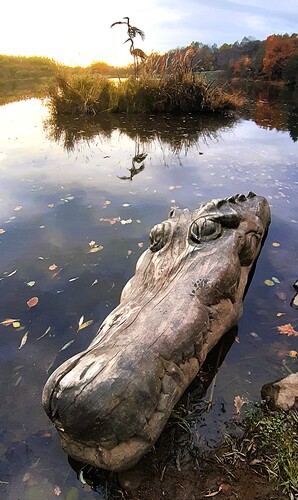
(278,50)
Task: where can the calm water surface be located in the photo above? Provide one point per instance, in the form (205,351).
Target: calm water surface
(66,185)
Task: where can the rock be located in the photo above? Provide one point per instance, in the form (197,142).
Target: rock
(282,394)
(110,402)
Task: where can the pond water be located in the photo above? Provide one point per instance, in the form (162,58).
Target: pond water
(68,184)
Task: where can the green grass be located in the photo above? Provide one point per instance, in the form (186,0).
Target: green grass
(275,437)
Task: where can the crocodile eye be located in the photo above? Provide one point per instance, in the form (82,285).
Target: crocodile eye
(159,236)
(204,229)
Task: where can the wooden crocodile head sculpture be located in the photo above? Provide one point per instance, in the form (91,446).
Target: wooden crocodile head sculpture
(110,402)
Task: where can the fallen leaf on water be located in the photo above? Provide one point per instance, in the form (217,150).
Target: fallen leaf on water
(32,302)
(269,282)
(275,244)
(57,490)
(171,188)
(2,231)
(66,345)
(51,205)
(16,324)
(8,322)
(84,325)
(141,244)
(129,252)
(293,354)
(45,333)
(126,204)
(94,282)
(280,314)
(91,243)
(138,221)
(111,221)
(11,274)
(107,202)
(31,283)
(287,329)
(276,280)
(23,341)
(127,221)
(53,267)
(26,476)
(81,320)
(18,208)
(96,248)
(73,279)
(238,403)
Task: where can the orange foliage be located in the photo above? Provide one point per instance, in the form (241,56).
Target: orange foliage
(278,50)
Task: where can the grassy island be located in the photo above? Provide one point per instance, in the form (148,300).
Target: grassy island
(175,93)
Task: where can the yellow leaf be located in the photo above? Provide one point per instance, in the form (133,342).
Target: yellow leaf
(293,354)
(280,314)
(95,249)
(84,325)
(16,324)
(31,283)
(8,322)
(125,204)
(275,244)
(107,202)
(269,282)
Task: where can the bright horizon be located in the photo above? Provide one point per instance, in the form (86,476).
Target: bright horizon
(76,35)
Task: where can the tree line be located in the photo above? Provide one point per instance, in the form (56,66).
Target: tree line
(273,59)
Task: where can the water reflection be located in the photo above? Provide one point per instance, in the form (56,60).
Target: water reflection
(64,188)
(272,107)
(179,133)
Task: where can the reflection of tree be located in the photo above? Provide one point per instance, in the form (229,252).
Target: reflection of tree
(271,107)
(293,123)
(178,133)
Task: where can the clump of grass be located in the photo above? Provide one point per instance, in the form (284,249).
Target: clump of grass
(275,437)
(79,94)
(173,88)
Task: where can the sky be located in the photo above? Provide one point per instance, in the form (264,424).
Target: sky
(79,33)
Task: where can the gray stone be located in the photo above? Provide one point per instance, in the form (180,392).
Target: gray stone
(282,394)
(110,402)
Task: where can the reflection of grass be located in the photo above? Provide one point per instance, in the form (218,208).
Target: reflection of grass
(179,133)
(275,437)
(176,93)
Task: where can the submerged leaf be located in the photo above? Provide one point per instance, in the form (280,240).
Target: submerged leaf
(2,231)
(52,267)
(16,324)
(32,302)
(31,283)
